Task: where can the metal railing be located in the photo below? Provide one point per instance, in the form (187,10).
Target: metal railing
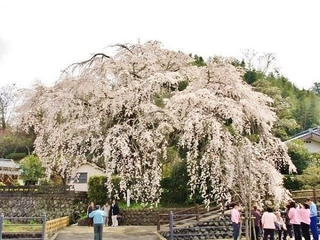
(192,213)
(172,226)
(40,222)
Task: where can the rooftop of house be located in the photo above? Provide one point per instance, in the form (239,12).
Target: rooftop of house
(8,163)
(311,133)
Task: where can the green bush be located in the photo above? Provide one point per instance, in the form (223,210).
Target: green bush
(16,156)
(31,168)
(290,182)
(97,191)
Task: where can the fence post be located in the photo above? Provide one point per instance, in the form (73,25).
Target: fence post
(158,221)
(197,210)
(315,195)
(1,224)
(44,220)
(222,207)
(171,225)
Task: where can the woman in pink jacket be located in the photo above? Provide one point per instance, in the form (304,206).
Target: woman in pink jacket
(295,220)
(268,221)
(304,212)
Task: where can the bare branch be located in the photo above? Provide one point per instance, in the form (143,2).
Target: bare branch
(122,46)
(90,61)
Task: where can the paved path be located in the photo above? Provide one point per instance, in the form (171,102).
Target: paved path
(114,233)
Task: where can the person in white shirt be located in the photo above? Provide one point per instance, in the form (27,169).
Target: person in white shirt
(106,209)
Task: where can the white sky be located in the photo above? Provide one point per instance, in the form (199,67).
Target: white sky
(39,38)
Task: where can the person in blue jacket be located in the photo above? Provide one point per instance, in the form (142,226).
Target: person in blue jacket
(98,218)
(313,218)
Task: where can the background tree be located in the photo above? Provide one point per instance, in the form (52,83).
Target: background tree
(299,155)
(32,170)
(296,109)
(7,102)
(309,179)
(316,88)
(15,144)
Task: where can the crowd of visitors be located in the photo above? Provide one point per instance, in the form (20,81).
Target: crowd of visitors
(296,220)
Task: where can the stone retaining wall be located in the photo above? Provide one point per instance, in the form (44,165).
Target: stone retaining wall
(142,217)
(35,203)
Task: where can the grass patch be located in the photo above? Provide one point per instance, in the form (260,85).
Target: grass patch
(20,227)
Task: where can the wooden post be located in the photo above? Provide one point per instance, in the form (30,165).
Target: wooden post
(197,210)
(158,221)
(222,207)
(44,221)
(315,195)
(171,225)
(1,224)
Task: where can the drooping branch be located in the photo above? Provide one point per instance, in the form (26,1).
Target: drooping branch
(122,46)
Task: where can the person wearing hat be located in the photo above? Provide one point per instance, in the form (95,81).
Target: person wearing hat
(98,219)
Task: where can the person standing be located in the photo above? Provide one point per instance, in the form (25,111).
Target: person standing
(89,210)
(305,220)
(114,213)
(98,219)
(268,221)
(257,219)
(235,219)
(287,223)
(313,218)
(280,225)
(106,209)
(295,220)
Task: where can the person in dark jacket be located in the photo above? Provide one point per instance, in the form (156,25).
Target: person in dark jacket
(288,224)
(255,234)
(90,209)
(114,213)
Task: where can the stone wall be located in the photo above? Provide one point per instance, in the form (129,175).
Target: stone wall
(34,201)
(142,217)
(56,202)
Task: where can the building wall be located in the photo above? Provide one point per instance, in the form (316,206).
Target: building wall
(90,171)
(312,146)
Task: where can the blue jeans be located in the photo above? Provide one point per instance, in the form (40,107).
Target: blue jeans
(314,228)
(97,228)
(236,229)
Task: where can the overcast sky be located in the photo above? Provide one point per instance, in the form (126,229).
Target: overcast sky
(38,38)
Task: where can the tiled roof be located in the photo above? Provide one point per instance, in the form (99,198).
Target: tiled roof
(307,134)
(14,172)
(8,163)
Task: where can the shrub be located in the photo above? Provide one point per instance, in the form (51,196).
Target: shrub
(16,156)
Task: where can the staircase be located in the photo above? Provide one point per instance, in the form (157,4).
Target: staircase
(210,226)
